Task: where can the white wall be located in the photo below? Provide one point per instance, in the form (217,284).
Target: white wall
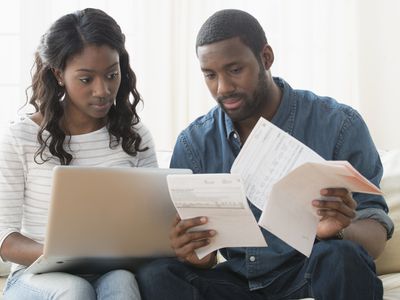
(347,49)
(379,70)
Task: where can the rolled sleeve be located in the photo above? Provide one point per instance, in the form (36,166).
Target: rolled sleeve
(377,215)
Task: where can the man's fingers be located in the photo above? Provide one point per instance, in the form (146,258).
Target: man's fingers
(344,194)
(189,237)
(179,226)
(188,249)
(335,206)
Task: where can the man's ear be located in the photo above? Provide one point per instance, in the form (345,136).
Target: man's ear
(58,74)
(267,56)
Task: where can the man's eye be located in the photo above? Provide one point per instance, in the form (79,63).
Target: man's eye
(236,70)
(209,75)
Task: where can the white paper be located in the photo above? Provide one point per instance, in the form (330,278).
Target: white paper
(282,176)
(220,198)
(268,155)
(289,214)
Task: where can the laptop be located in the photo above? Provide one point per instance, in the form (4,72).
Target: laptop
(106,218)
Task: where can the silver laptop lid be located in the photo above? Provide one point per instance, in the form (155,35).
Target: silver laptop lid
(110,212)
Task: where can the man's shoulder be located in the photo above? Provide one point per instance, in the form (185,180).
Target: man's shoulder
(324,105)
(205,122)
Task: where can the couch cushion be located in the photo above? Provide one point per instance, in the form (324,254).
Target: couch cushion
(389,261)
(391,286)
(4,268)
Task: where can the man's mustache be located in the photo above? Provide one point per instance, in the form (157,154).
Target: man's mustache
(231,96)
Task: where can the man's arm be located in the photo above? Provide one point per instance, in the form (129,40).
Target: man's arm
(337,216)
(368,233)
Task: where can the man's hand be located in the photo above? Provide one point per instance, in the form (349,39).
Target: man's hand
(335,214)
(184,241)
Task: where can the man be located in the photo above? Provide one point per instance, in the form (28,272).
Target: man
(235,59)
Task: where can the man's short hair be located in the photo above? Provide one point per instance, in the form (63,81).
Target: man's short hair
(230,23)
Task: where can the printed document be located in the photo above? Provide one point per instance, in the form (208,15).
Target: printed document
(221,198)
(267,156)
(282,176)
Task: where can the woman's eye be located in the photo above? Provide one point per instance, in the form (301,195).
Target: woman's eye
(84,80)
(113,75)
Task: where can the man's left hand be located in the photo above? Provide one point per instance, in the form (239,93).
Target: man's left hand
(336,213)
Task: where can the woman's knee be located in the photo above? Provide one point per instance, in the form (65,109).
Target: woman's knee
(117,284)
(50,286)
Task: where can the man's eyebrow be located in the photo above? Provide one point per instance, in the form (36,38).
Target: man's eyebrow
(206,70)
(225,66)
(90,70)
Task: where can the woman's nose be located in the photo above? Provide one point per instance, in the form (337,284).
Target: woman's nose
(101,88)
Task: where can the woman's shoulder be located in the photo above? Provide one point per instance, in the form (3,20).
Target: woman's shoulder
(25,123)
(143,131)
(22,128)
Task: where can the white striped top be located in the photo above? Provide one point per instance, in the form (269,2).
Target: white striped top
(25,185)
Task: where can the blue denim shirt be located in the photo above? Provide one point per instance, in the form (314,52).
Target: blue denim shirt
(335,131)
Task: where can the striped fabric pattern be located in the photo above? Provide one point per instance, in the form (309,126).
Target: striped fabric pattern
(25,185)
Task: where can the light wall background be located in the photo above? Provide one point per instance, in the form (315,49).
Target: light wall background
(346,49)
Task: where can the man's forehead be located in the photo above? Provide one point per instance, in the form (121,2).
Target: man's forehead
(223,51)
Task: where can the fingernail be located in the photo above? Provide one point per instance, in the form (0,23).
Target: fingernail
(212,232)
(203,220)
(324,192)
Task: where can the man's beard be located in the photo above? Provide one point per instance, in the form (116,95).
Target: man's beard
(252,106)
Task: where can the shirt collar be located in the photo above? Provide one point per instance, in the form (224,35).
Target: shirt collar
(284,116)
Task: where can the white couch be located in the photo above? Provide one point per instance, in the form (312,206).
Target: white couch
(388,264)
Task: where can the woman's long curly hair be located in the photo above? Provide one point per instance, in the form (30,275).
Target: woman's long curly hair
(67,37)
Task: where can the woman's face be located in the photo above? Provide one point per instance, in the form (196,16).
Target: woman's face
(91,80)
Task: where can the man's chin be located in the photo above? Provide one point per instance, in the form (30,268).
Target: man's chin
(234,115)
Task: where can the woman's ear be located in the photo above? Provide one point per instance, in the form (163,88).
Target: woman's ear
(267,56)
(58,74)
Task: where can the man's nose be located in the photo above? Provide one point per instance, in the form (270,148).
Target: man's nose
(225,86)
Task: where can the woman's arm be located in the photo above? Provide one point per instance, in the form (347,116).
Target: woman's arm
(20,249)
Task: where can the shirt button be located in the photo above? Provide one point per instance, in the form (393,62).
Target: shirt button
(252,258)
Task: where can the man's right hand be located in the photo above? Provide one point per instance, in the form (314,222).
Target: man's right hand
(185,241)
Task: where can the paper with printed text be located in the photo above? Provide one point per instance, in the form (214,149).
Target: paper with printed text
(282,176)
(220,198)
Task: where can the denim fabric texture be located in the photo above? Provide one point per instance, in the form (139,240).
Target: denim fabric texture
(335,131)
(116,284)
(336,270)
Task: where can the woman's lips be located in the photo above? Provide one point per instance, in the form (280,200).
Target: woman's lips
(101,106)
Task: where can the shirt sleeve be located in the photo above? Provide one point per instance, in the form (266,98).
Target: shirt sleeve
(12,185)
(183,156)
(148,157)
(356,146)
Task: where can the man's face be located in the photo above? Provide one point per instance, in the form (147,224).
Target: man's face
(235,78)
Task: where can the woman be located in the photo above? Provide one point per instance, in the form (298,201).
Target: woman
(84,116)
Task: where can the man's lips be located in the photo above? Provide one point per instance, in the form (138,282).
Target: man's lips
(232,103)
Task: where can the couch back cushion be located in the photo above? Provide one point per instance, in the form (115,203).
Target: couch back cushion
(389,260)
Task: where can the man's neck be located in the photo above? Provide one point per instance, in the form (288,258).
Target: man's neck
(245,127)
